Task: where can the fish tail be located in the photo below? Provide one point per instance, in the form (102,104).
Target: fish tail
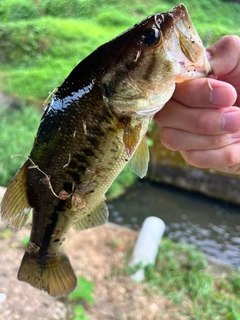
(55,276)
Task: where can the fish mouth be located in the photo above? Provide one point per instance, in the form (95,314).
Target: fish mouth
(182,39)
(189,39)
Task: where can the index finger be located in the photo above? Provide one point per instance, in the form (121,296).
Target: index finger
(205,93)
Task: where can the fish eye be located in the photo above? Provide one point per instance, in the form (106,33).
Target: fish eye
(150,37)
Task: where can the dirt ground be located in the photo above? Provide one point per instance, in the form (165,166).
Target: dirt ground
(99,255)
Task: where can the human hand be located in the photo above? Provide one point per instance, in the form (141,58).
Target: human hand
(203,124)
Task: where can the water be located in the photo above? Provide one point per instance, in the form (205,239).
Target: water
(213,225)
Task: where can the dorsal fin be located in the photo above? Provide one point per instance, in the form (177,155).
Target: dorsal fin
(15,207)
(139,161)
(95,217)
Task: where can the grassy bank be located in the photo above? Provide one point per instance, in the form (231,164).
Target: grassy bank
(38,50)
(182,274)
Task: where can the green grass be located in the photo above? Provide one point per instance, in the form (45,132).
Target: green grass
(35,61)
(38,51)
(17,129)
(181,274)
(25,241)
(81,295)
(84,291)
(5,233)
(126,178)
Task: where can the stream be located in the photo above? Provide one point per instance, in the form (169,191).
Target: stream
(213,225)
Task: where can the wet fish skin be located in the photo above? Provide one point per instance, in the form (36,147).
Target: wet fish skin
(95,125)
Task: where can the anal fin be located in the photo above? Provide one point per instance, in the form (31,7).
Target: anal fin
(139,161)
(15,208)
(55,276)
(97,216)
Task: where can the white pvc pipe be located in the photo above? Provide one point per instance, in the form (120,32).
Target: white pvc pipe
(146,246)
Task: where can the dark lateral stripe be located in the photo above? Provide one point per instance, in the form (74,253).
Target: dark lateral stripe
(150,67)
(49,231)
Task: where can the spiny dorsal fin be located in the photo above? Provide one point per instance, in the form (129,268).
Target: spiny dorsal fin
(56,276)
(139,161)
(96,217)
(15,207)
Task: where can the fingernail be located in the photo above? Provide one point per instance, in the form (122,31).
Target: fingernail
(231,121)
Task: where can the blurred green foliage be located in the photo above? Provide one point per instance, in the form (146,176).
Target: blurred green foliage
(84,290)
(79,313)
(12,10)
(41,41)
(17,134)
(34,61)
(125,179)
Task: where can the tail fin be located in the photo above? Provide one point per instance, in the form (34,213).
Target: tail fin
(56,276)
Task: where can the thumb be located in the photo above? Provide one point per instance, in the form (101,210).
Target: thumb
(224,57)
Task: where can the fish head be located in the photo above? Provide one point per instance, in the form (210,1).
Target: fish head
(150,58)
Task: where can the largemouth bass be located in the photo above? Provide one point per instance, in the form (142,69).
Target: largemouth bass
(94,125)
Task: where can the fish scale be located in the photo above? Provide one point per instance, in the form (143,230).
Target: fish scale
(95,124)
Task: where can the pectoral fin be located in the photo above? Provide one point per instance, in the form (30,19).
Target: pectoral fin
(139,161)
(96,217)
(15,207)
(131,137)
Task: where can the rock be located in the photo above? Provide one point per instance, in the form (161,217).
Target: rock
(2,297)
(215,185)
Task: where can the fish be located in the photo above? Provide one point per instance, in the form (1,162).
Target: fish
(95,125)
